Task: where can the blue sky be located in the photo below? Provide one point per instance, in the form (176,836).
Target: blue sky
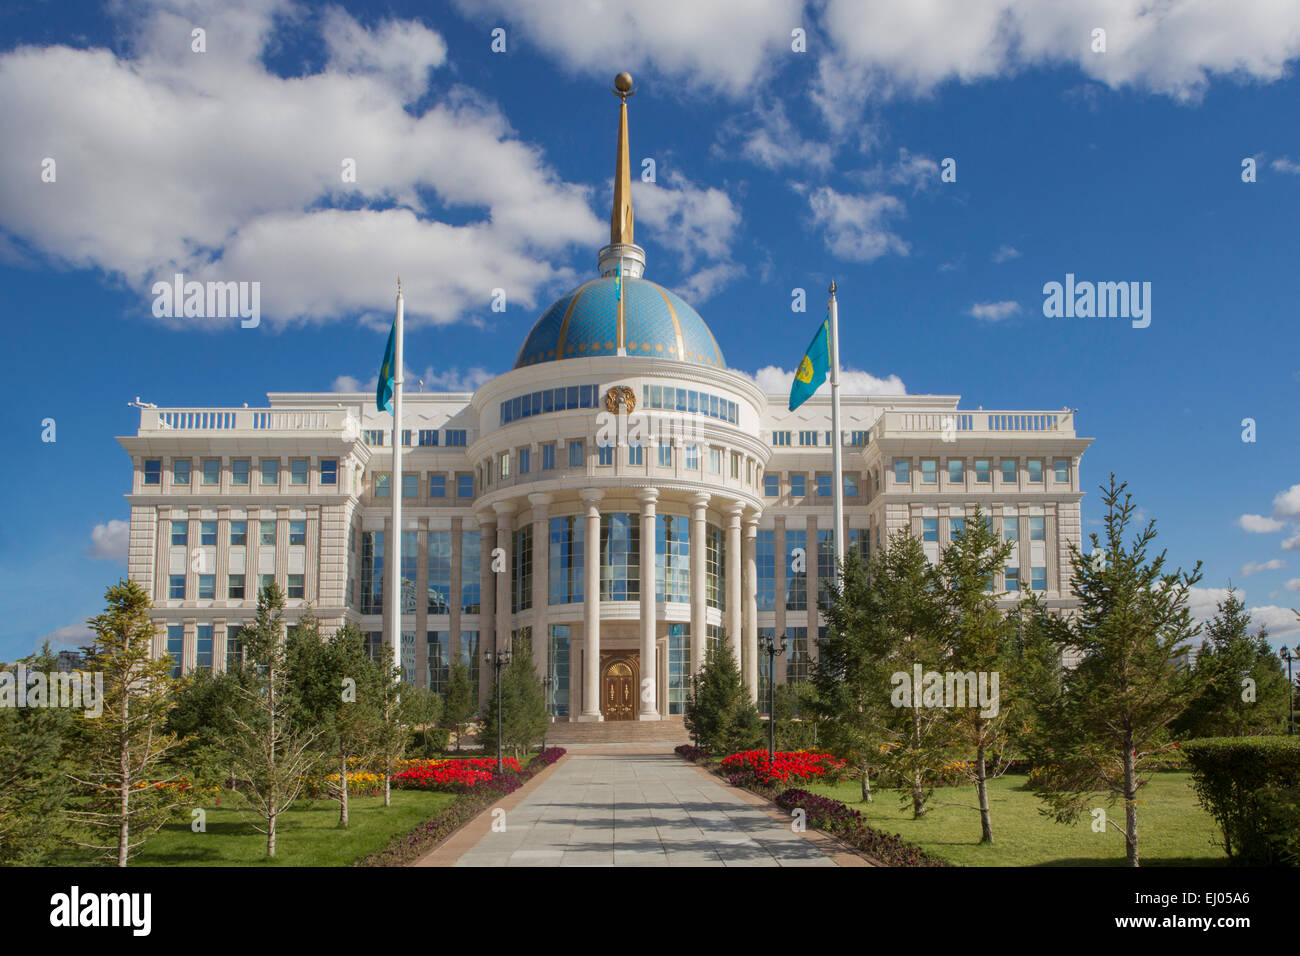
(775,169)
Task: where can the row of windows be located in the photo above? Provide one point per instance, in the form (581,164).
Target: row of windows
(412,484)
(265,531)
(1037,525)
(687,400)
(236,590)
(549,400)
(428,437)
(956,470)
(240,471)
(605,458)
(799,484)
(809,438)
(438,587)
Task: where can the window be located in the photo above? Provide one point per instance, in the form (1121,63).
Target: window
(1009,470)
(955,470)
(808,438)
(735,464)
(825,566)
(471,548)
(929,529)
(176,587)
(234,648)
(455,437)
(180,533)
(692,458)
(796,655)
(297,532)
(438,656)
(464,485)
(672,558)
(1062,468)
(859,438)
(153,471)
(620,557)
(956,527)
(548,456)
(437,486)
(298,471)
(1035,471)
(329,471)
(566,559)
(428,438)
(264,581)
(929,471)
(211,471)
(296,588)
(374,437)
(410,485)
(470,658)
(902,471)
(796,583)
(505,465)
(235,587)
(1011,576)
(850,486)
(771,485)
(557,668)
(175,646)
(382,486)
(634,454)
(715,461)
(715,562)
(765,565)
(982,471)
(239,471)
(207,587)
(824,485)
(372,572)
(208,533)
(525,460)
(781,439)
(266,531)
(1010,529)
(438,599)
(798,484)
(270,471)
(521,570)
(665,456)
(1037,529)
(1038,579)
(180,471)
(575,453)
(238,533)
(604,454)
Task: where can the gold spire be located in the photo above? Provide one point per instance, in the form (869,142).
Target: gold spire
(620,220)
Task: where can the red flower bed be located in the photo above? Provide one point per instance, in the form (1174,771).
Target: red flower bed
(453,775)
(784,767)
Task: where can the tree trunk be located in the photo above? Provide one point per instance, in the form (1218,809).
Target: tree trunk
(918,794)
(124,768)
(982,789)
(1130,802)
(343,789)
(866,782)
(270,829)
(388,789)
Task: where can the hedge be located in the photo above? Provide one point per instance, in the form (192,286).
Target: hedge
(1251,786)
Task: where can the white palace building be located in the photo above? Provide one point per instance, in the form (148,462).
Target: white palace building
(621,559)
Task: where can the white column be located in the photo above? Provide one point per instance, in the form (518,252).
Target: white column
(733,579)
(699,550)
(750,666)
(649,690)
(503,509)
(591,608)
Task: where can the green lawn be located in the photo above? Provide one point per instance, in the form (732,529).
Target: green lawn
(308,835)
(1173,828)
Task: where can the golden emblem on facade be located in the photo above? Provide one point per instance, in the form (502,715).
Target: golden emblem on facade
(620,396)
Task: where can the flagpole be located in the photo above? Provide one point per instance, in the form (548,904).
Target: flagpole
(395,489)
(837,454)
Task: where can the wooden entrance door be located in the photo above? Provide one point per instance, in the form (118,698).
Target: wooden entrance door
(618,690)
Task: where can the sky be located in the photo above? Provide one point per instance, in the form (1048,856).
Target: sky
(792,143)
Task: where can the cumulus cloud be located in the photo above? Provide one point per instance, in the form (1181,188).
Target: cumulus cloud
(777,381)
(448,380)
(1293,584)
(109,541)
(1254,567)
(693,221)
(70,638)
(701,286)
(1258,524)
(769,139)
(856,228)
(1280,621)
(1287,503)
(164,167)
(995,311)
(1291,544)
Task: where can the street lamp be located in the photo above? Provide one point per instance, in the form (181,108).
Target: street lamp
(771,646)
(547,683)
(498,660)
(1286,655)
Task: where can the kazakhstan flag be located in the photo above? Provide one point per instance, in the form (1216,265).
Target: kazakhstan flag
(384,390)
(814,368)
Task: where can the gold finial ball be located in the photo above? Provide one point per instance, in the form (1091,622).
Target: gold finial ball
(623,82)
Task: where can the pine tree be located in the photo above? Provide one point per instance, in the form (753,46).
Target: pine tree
(720,714)
(127,745)
(523,705)
(458,704)
(1132,629)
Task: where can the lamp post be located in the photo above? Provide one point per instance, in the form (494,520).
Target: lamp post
(771,646)
(547,683)
(498,660)
(1286,655)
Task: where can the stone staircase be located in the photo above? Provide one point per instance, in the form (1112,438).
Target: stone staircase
(670,730)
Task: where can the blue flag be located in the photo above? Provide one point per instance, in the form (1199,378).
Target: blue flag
(384,390)
(618,283)
(814,368)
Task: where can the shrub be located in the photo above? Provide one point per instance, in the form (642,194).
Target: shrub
(847,824)
(1251,786)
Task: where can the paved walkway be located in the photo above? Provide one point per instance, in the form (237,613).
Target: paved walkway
(642,809)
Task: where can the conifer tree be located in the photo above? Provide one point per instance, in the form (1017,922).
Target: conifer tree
(720,714)
(458,703)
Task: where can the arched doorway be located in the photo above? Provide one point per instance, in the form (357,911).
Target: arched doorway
(618,685)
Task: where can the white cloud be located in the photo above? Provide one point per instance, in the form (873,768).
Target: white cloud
(1004,253)
(723,46)
(701,286)
(448,380)
(1284,165)
(777,381)
(910,169)
(856,227)
(1204,602)
(70,638)
(1287,503)
(109,541)
(692,221)
(1293,584)
(1291,544)
(1254,567)
(774,142)
(1258,524)
(1280,621)
(995,311)
(164,167)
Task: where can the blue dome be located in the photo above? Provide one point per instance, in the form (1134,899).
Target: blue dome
(655,322)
